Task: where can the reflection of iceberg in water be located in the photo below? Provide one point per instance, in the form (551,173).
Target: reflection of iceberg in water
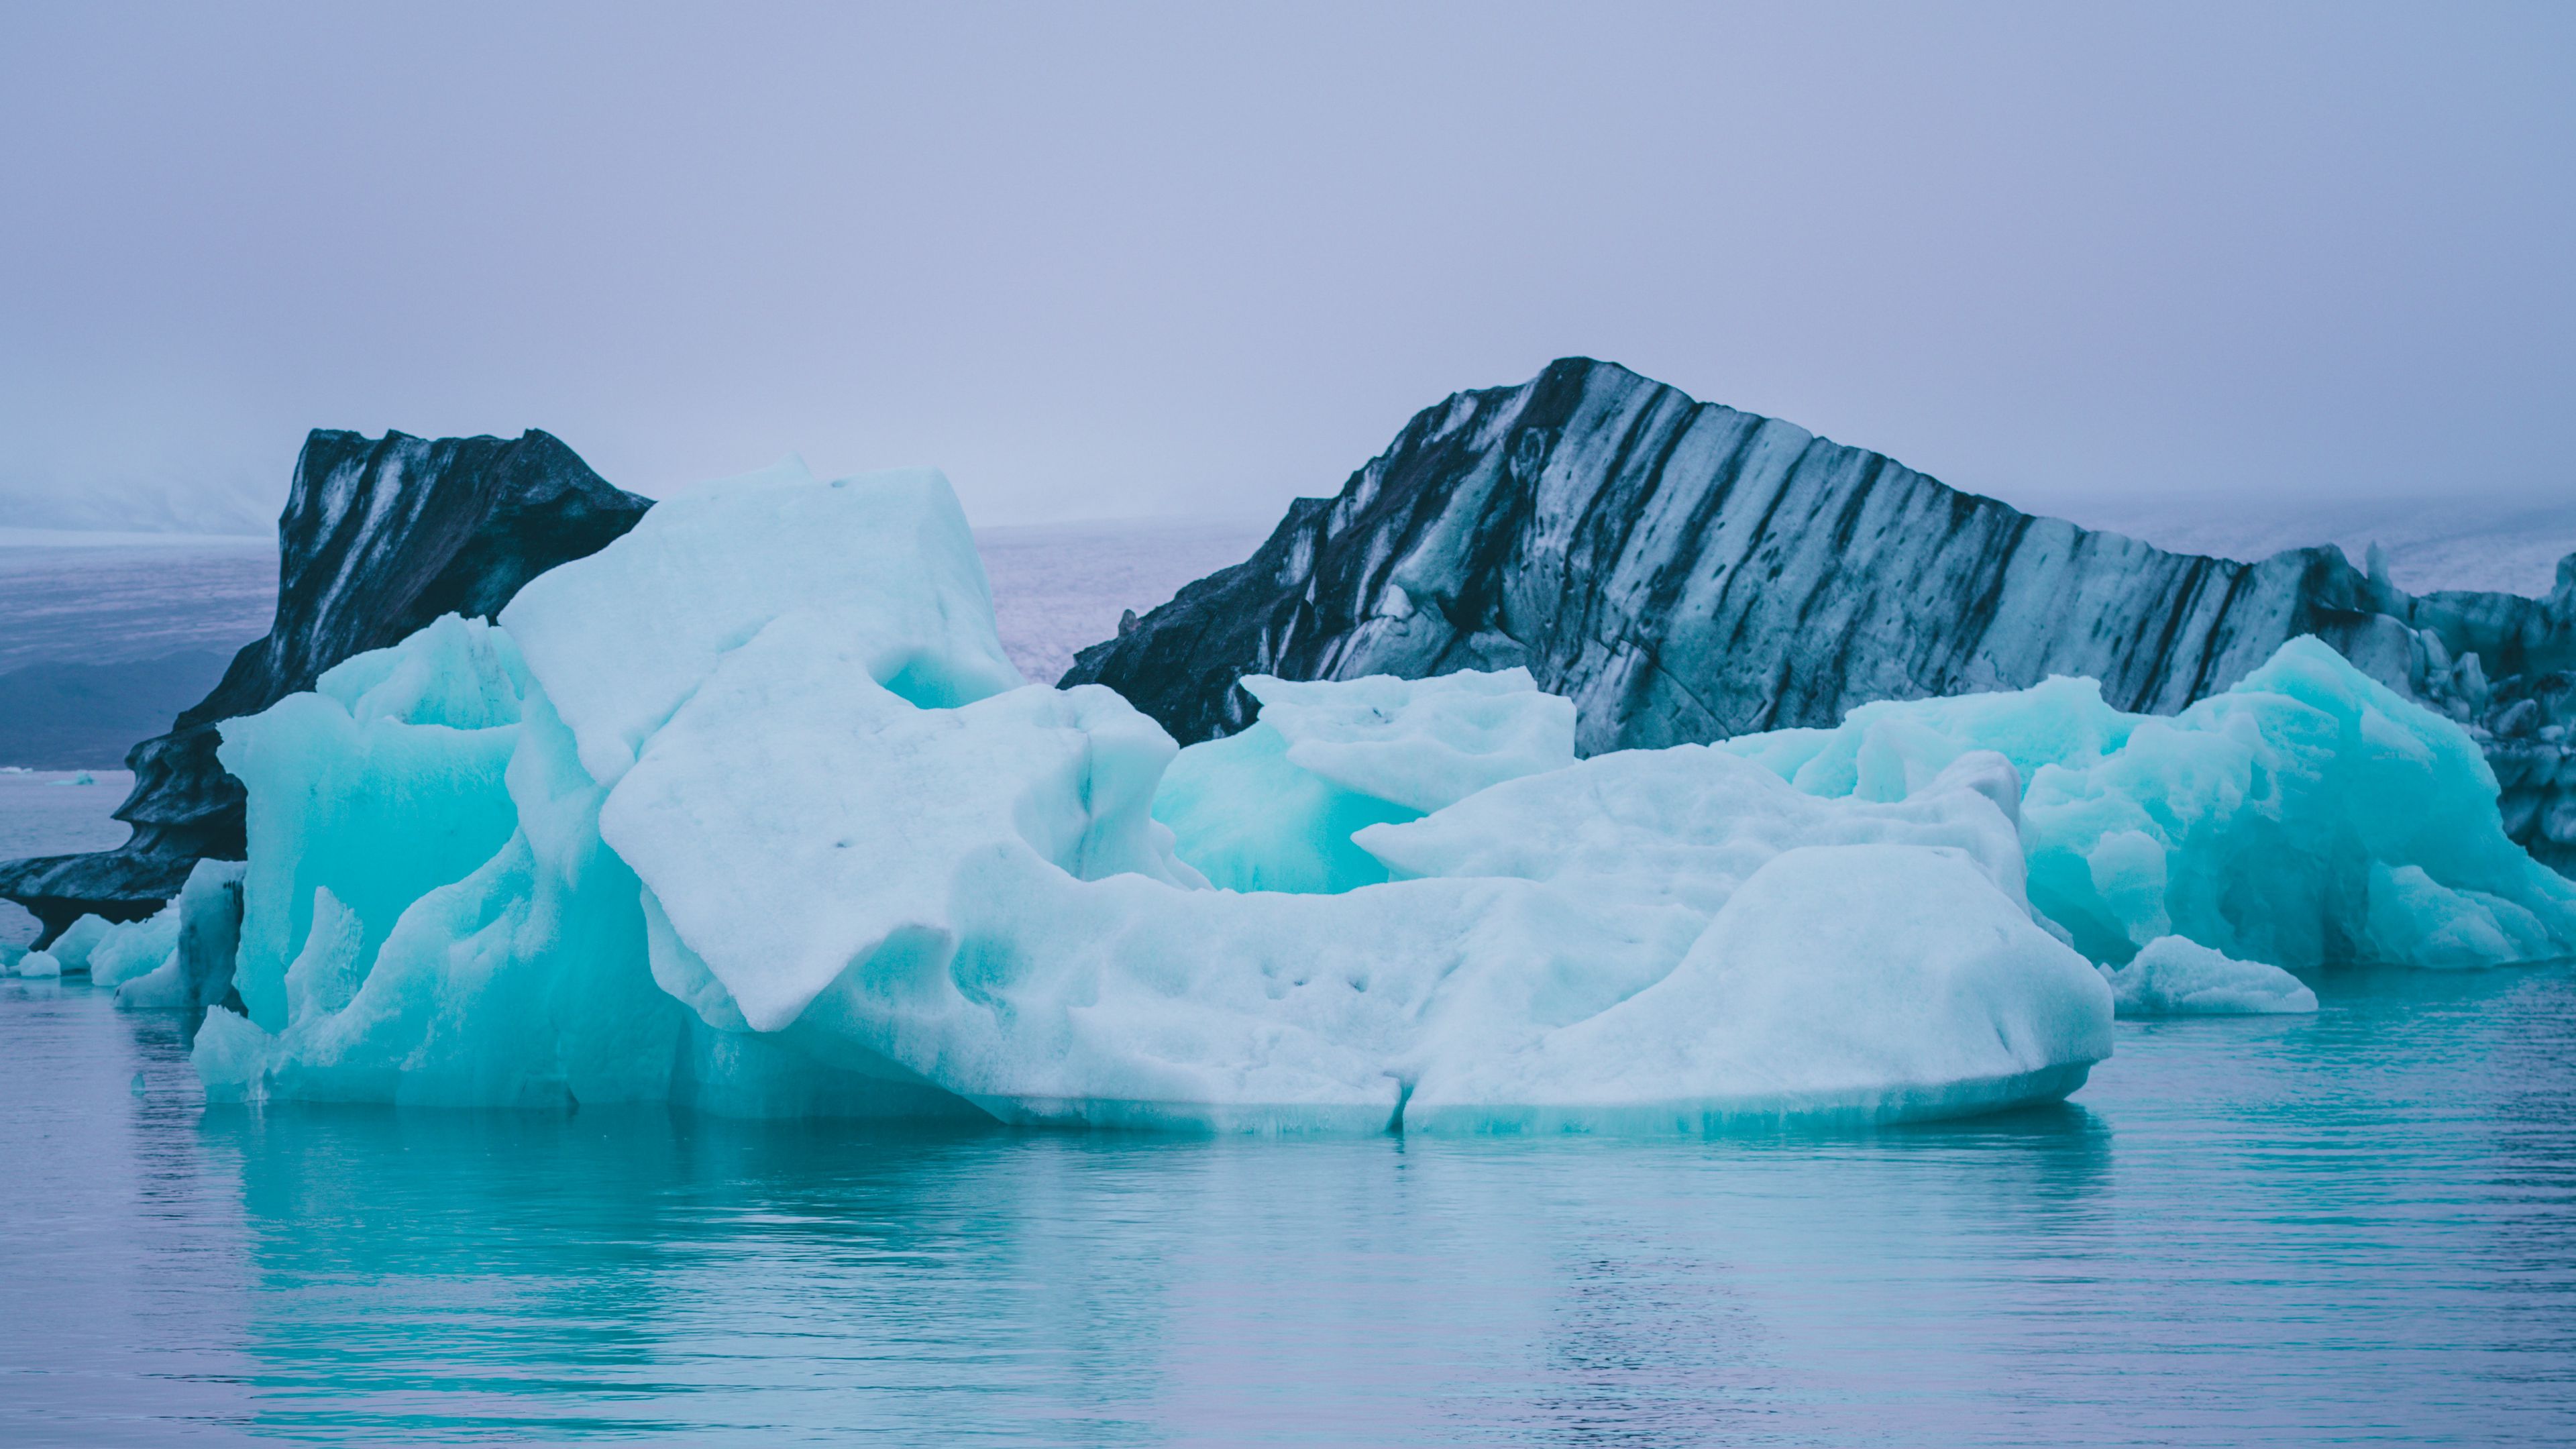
(688,1269)
(746,812)
(809,1277)
(2019,1276)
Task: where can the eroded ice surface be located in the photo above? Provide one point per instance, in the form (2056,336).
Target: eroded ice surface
(1274,807)
(2308,815)
(2171,976)
(746,811)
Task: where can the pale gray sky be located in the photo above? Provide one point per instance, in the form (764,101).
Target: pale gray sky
(1100,260)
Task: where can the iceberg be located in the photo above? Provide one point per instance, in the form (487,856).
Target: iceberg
(2306,817)
(2171,976)
(747,811)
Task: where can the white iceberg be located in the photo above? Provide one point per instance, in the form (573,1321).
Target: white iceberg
(748,811)
(72,948)
(884,563)
(2174,977)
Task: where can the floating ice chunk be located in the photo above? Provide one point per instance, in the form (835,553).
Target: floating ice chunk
(1275,806)
(78,939)
(885,562)
(1657,844)
(2171,976)
(35,966)
(2307,816)
(504,959)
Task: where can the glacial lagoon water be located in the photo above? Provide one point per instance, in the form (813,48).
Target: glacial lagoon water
(2353,1227)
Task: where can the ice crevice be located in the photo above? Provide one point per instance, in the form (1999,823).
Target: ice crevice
(583,854)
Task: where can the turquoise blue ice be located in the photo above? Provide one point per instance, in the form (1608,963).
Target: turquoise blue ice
(2308,815)
(749,812)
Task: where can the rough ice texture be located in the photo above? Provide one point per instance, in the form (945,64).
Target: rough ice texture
(514,975)
(131,949)
(1688,572)
(72,948)
(1423,746)
(380,785)
(622,644)
(379,537)
(198,971)
(782,838)
(2172,976)
(1274,807)
(2308,816)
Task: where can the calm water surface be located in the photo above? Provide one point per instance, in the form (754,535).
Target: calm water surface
(2351,1228)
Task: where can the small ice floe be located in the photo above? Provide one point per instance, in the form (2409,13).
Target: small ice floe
(2173,976)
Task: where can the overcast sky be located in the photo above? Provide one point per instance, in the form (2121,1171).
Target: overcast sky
(1114,260)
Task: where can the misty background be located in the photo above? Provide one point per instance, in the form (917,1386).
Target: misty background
(1104,261)
(2230,278)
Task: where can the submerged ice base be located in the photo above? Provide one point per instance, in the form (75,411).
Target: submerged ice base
(748,812)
